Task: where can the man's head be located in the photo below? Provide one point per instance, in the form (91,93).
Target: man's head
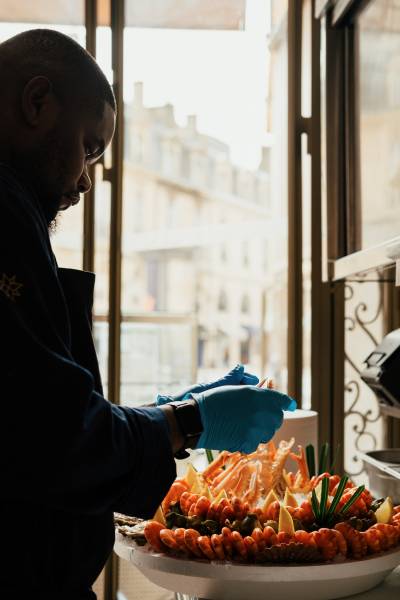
(58,115)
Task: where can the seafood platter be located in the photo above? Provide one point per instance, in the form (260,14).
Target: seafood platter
(247,528)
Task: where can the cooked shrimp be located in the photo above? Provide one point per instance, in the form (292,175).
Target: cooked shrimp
(251,546)
(223,503)
(270,536)
(212,510)
(374,539)
(357,546)
(258,537)
(327,542)
(390,534)
(186,501)
(179,535)
(227,513)
(152,534)
(204,544)
(341,542)
(239,544)
(200,508)
(305,537)
(284,538)
(217,545)
(167,537)
(239,507)
(191,536)
(272,511)
(175,492)
(227,541)
(304,512)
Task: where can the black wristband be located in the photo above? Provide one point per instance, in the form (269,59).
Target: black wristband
(187,415)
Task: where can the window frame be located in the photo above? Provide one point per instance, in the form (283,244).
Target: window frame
(343,198)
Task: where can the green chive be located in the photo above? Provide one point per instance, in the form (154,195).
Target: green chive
(337,496)
(323,458)
(324,497)
(315,505)
(310,455)
(351,500)
(209,455)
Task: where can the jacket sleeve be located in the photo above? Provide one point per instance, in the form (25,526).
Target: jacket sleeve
(62,443)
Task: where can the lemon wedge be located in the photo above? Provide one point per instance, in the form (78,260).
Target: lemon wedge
(289,499)
(384,513)
(272,497)
(285,521)
(190,475)
(159,516)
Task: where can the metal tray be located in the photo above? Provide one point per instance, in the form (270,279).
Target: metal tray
(383,470)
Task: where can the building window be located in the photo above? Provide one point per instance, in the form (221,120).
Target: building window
(223,301)
(224,255)
(245,306)
(245,351)
(245,248)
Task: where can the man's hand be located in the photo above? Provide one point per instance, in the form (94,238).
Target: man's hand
(240,417)
(237,376)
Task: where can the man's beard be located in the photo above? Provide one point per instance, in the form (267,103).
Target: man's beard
(53,225)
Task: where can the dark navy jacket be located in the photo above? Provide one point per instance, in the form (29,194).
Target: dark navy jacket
(69,458)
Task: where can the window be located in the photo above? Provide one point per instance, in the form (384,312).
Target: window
(222,301)
(245,306)
(204,177)
(378,67)
(359,43)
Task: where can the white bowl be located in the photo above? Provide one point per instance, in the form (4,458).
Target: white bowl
(230,581)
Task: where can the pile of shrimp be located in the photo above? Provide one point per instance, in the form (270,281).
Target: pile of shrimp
(264,543)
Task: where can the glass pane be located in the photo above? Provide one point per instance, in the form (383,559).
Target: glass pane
(324,188)
(181,14)
(276,259)
(155,356)
(45,12)
(18,17)
(102,229)
(306,205)
(306,51)
(379,90)
(205,207)
(101,268)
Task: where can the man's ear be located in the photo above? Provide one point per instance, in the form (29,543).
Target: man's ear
(38,101)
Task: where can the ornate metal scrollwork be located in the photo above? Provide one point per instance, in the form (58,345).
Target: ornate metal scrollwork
(363,327)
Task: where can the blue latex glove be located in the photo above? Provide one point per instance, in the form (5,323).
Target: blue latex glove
(237,376)
(239,418)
